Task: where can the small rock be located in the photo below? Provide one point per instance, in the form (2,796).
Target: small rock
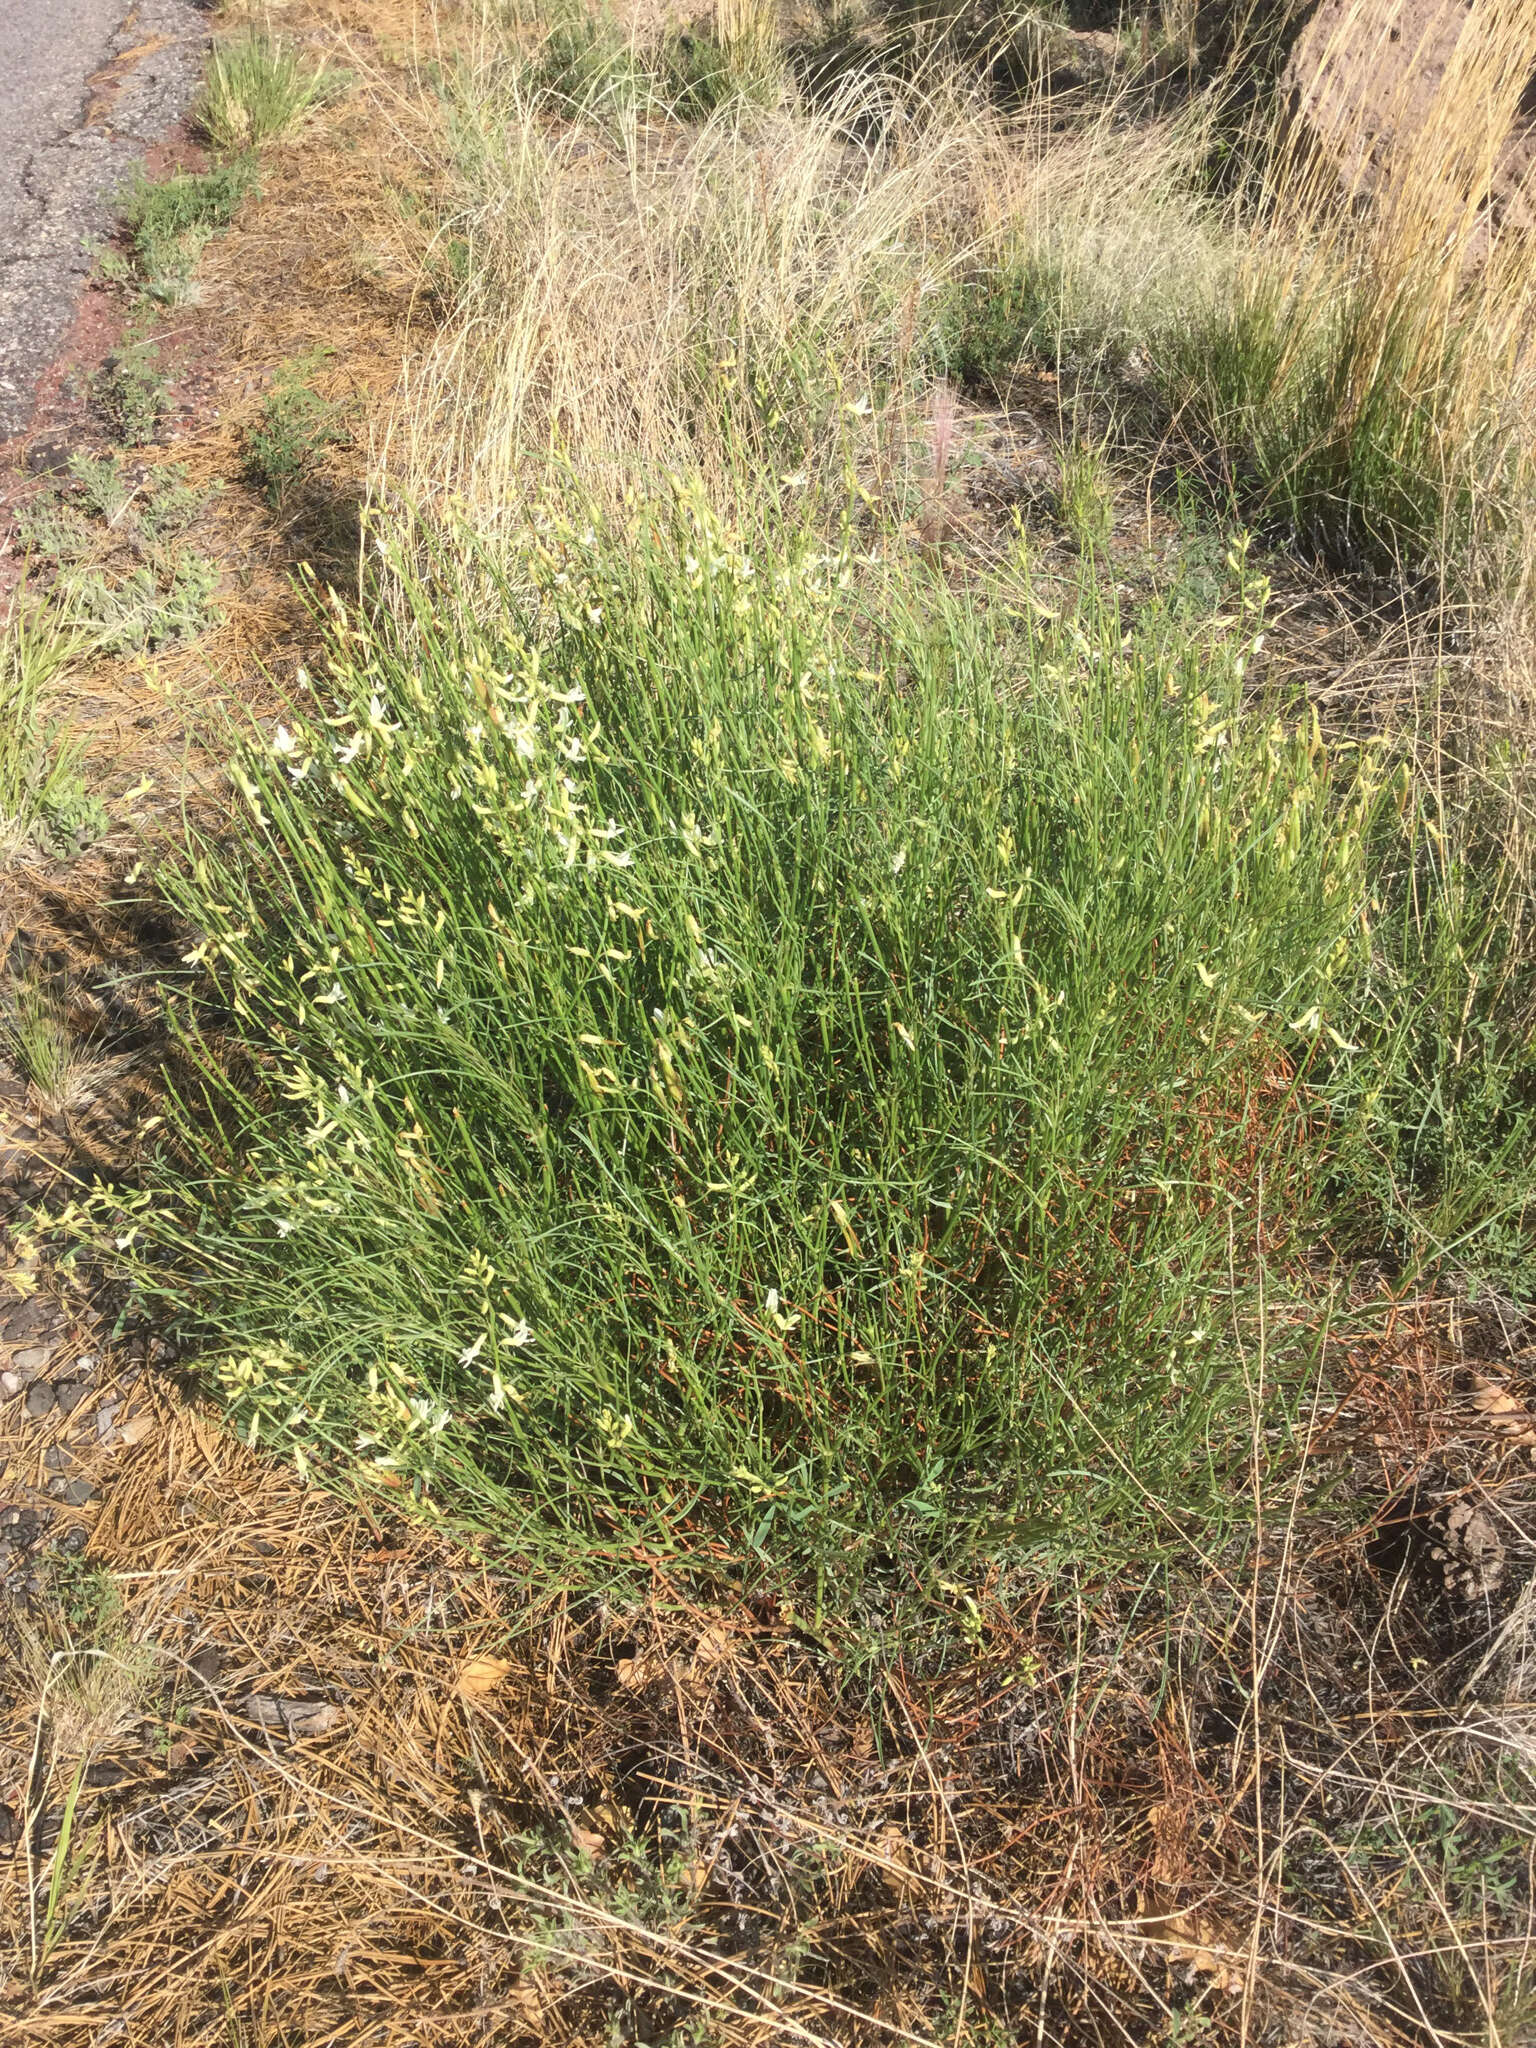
(87,1364)
(39,1400)
(34,1359)
(48,458)
(10,1383)
(136,1428)
(29,1320)
(9,1828)
(57,1459)
(208,1663)
(69,1396)
(106,1416)
(99,1776)
(77,1492)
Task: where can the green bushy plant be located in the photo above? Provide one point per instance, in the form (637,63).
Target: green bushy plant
(258,89)
(154,605)
(719,1063)
(171,222)
(130,389)
(1025,312)
(295,424)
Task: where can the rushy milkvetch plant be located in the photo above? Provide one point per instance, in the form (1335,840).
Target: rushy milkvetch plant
(738,1048)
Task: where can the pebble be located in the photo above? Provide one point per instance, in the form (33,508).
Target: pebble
(32,1319)
(35,1358)
(39,1400)
(87,1364)
(69,1396)
(56,1459)
(10,1383)
(106,1416)
(77,1492)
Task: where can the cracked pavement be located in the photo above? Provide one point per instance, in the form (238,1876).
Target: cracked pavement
(85,89)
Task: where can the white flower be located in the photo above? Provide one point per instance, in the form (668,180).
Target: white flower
(898,861)
(334,994)
(472,1351)
(906,1037)
(347,754)
(519,1336)
(283,741)
(378,717)
(595,614)
(283,1225)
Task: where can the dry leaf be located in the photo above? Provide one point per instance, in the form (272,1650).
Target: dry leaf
(1501,1410)
(480,1674)
(635,1672)
(588,1840)
(1186,1940)
(712,1646)
(135,1429)
(297,1718)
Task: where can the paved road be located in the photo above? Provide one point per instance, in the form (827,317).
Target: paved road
(65,150)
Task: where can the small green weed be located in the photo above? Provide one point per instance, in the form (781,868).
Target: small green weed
(153,606)
(122,570)
(172,222)
(1085,502)
(39,767)
(130,391)
(589,61)
(87,1598)
(997,322)
(295,425)
(258,90)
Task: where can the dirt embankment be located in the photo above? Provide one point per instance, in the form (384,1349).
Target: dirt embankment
(1365,74)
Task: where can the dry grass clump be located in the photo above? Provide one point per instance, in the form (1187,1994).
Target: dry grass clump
(1369,375)
(747,297)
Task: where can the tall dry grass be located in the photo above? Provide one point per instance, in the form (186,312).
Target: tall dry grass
(1369,371)
(741,298)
